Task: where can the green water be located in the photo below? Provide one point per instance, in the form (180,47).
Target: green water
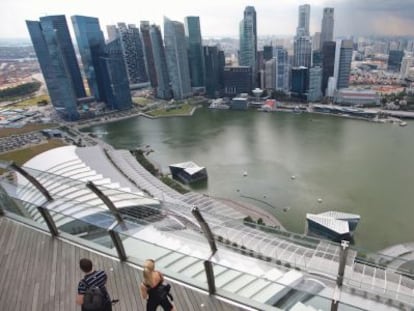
(353,166)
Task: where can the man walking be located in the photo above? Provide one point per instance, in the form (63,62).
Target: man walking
(92,293)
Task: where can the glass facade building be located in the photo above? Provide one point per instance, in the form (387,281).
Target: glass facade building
(133,53)
(327,27)
(195,50)
(343,59)
(91,44)
(117,91)
(148,53)
(177,58)
(248,39)
(328,63)
(213,69)
(163,89)
(54,49)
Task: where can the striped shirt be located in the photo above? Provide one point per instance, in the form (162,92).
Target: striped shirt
(96,278)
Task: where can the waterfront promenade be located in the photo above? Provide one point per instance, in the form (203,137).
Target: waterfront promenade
(41,273)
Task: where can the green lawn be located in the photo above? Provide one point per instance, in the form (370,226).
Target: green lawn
(30,102)
(184,109)
(4,132)
(141,101)
(23,155)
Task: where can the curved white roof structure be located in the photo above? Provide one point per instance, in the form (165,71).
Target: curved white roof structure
(64,171)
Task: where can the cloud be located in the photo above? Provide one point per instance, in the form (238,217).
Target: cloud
(378,17)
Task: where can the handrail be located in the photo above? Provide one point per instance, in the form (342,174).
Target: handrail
(120,252)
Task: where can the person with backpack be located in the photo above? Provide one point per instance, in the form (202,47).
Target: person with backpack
(92,293)
(154,289)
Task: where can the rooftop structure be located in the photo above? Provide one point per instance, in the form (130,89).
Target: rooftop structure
(188,172)
(357,97)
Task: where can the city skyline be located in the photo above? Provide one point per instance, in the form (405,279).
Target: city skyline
(376,17)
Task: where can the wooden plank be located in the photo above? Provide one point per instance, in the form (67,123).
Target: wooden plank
(39,273)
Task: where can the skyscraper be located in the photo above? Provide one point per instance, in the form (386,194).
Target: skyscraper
(91,44)
(195,50)
(270,72)
(248,40)
(237,80)
(133,53)
(283,67)
(54,49)
(213,70)
(267,52)
(163,89)
(302,45)
(343,59)
(327,27)
(315,81)
(117,91)
(328,63)
(394,60)
(302,51)
(177,58)
(303,20)
(148,53)
(113,32)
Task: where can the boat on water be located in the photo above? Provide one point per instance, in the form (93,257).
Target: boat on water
(403,123)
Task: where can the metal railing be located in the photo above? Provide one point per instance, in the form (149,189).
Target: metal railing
(118,235)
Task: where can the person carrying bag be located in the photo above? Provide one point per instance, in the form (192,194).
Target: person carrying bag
(154,289)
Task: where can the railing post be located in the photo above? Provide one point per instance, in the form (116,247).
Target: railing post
(119,246)
(205,228)
(49,220)
(106,201)
(340,277)
(208,267)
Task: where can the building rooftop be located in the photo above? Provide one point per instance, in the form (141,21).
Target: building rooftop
(189,167)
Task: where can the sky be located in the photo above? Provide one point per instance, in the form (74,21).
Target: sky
(220,17)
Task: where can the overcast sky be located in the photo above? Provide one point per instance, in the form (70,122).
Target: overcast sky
(220,17)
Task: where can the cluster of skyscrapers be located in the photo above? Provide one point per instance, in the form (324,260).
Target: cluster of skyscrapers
(178,65)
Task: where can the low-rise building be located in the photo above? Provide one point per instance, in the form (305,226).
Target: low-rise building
(356,97)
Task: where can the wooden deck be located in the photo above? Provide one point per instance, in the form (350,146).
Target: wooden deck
(40,273)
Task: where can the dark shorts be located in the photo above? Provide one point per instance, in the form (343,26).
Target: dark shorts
(152,304)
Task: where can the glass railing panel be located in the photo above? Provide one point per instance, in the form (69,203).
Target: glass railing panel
(178,265)
(88,230)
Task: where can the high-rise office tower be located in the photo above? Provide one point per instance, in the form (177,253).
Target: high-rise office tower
(303,20)
(302,45)
(327,27)
(300,81)
(213,68)
(270,74)
(302,51)
(133,53)
(54,49)
(112,32)
(117,91)
(316,41)
(315,82)
(177,58)
(283,68)
(163,89)
(394,60)
(328,63)
(248,40)
(267,52)
(148,53)
(91,44)
(195,50)
(343,59)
